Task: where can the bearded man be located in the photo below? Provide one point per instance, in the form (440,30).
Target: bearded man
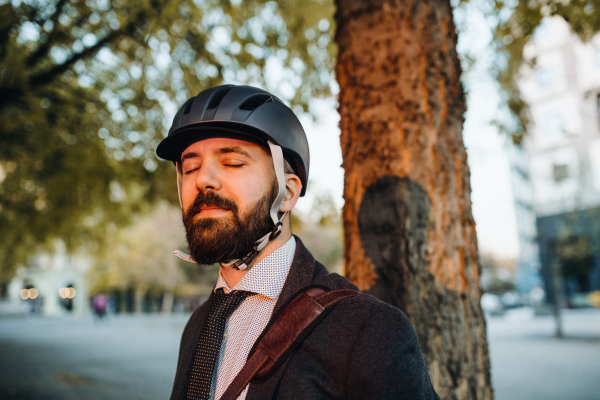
(242,163)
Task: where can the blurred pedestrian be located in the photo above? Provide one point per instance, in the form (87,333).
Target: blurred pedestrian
(99,304)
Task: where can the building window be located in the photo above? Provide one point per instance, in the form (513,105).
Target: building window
(553,125)
(560,172)
(546,77)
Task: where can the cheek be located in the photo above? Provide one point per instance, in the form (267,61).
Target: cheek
(249,189)
(188,194)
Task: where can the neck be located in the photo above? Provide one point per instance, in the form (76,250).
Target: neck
(233,276)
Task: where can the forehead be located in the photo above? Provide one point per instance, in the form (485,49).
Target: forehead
(212,145)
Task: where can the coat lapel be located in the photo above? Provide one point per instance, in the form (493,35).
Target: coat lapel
(300,275)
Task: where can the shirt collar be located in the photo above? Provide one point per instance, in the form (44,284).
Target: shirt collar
(268,275)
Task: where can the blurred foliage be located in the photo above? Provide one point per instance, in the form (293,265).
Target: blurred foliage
(88,89)
(577,243)
(516,24)
(321,232)
(497,274)
(576,256)
(140,256)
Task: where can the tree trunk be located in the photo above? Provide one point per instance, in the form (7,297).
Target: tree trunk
(140,293)
(169,293)
(409,232)
(167,302)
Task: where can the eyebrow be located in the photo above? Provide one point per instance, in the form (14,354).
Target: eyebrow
(234,149)
(188,155)
(222,150)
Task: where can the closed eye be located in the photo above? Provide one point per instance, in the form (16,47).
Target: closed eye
(234,163)
(191,170)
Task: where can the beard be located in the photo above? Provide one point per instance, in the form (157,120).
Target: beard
(216,240)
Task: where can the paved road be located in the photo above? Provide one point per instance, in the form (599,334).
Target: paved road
(76,358)
(528,363)
(134,357)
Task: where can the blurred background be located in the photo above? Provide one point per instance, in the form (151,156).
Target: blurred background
(92,303)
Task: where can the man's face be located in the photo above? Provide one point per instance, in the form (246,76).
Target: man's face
(228,187)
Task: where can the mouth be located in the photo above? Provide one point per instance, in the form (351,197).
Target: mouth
(211,211)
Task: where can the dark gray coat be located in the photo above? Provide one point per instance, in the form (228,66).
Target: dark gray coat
(364,349)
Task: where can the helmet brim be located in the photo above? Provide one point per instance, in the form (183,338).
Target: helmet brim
(172,147)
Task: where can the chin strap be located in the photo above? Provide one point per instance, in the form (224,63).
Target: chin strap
(244,262)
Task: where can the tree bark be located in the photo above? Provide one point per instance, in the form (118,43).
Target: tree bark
(409,232)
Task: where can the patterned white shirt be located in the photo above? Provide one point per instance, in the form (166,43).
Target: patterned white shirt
(247,322)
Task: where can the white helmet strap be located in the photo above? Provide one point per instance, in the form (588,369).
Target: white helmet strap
(179,176)
(242,264)
(278,164)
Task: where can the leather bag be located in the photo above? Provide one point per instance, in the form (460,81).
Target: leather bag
(286,331)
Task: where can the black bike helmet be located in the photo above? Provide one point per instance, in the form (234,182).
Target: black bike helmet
(243,112)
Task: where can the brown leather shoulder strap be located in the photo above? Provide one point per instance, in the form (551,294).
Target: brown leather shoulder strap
(292,323)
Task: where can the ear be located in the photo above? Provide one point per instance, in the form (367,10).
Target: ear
(293,187)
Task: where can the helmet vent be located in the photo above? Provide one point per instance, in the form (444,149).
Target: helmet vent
(217,97)
(187,107)
(256,101)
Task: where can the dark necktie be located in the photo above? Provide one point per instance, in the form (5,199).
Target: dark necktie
(209,344)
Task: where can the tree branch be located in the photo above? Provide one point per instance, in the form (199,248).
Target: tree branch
(43,49)
(47,76)
(6,23)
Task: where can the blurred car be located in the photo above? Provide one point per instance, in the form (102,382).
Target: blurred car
(491,304)
(511,300)
(594,298)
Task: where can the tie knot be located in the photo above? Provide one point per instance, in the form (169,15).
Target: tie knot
(224,304)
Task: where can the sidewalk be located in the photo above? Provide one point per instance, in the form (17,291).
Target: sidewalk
(133,357)
(126,357)
(528,363)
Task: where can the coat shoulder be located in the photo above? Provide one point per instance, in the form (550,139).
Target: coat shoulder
(332,280)
(364,304)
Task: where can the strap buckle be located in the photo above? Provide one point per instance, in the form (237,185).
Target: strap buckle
(276,231)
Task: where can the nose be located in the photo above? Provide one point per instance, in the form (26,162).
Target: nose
(207,179)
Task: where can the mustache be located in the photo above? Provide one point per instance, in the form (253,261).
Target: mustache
(211,199)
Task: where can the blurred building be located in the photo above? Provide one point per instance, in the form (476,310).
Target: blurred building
(556,173)
(50,285)
(528,276)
